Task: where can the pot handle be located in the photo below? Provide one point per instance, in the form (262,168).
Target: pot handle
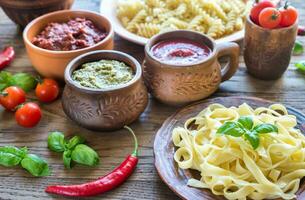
(230,49)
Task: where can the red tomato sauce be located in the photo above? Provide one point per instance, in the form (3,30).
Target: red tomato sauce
(75,34)
(180,51)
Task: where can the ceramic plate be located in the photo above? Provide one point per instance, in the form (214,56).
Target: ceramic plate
(108,8)
(164,150)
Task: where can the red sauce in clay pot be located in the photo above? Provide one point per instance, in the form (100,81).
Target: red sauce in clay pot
(75,34)
(180,51)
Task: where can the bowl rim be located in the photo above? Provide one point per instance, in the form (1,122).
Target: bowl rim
(62,12)
(180,34)
(249,21)
(69,81)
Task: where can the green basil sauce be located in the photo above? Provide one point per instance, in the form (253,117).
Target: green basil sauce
(103,74)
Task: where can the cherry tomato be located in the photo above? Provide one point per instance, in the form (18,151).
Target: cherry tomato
(270,18)
(12,97)
(289,15)
(258,7)
(47,91)
(28,115)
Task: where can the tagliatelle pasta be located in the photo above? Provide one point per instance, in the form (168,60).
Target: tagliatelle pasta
(229,165)
(215,18)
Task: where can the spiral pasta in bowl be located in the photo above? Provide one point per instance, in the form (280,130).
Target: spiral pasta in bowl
(233,148)
(139,20)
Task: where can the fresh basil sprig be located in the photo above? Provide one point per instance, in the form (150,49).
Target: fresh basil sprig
(25,81)
(244,128)
(73,150)
(13,156)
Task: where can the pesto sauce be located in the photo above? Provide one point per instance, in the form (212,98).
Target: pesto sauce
(103,74)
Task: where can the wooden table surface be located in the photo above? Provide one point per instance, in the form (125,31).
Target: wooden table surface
(15,183)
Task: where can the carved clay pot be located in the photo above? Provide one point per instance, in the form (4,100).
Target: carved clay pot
(181,84)
(24,11)
(268,52)
(104,109)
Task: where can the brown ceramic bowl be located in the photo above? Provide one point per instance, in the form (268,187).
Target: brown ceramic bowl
(53,63)
(178,84)
(24,11)
(104,109)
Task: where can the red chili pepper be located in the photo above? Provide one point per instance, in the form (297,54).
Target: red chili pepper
(301,31)
(103,184)
(6,57)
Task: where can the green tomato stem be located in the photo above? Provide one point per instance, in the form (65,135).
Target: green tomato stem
(135,151)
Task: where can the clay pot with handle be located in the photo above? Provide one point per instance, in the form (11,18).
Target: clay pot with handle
(182,84)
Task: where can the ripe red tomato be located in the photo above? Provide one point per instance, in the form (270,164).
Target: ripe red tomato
(12,97)
(258,7)
(289,15)
(47,91)
(28,115)
(270,18)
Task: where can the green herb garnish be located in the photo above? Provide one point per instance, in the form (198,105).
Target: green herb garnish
(25,81)
(73,150)
(12,156)
(298,48)
(245,128)
(300,66)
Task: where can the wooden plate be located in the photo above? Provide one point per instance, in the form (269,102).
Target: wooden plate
(164,150)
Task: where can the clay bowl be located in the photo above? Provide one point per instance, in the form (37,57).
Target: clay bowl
(104,109)
(24,11)
(53,63)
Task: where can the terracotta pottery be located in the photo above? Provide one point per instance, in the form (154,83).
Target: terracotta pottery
(104,109)
(181,84)
(268,52)
(24,11)
(164,149)
(52,64)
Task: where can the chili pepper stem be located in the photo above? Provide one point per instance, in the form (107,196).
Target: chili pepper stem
(136,146)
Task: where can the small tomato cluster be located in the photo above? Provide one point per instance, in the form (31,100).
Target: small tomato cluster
(28,115)
(267,15)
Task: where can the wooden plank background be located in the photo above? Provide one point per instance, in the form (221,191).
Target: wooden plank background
(113,147)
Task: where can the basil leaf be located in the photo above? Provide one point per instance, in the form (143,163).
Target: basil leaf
(15,151)
(11,156)
(253,139)
(56,141)
(35,165)
(67,159)
(247,122)
(265,128)
(4,80)
(83,154)
(23,80)
(75,141)
(231,128)
(298,48)
(300,66)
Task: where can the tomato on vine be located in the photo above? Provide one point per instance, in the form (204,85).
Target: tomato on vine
(258,7)
(47,90)
(270,18)
(289,15)
(11,97)
(28,115)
